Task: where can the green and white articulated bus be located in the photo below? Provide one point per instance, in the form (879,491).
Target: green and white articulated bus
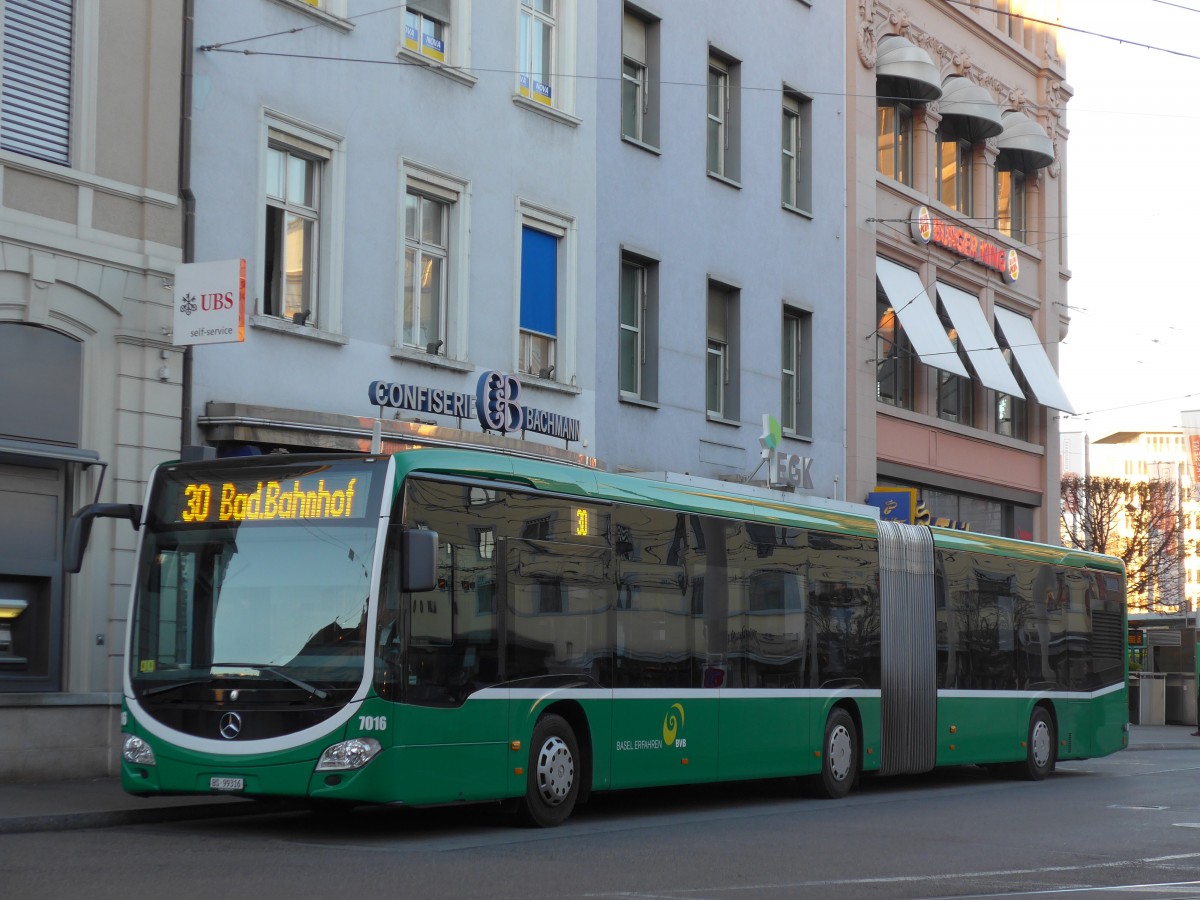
(444,625)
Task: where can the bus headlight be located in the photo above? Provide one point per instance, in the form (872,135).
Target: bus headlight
(137,751)
(352,754)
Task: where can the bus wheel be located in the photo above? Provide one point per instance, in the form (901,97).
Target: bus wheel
(839,756)
(1040,749)
(552,780)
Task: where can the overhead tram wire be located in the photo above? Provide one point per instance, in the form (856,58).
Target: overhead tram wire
(974,4)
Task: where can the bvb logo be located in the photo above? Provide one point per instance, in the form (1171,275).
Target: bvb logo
(672,724)
(187,305)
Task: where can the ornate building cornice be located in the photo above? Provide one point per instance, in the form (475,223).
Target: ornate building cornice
(877,18)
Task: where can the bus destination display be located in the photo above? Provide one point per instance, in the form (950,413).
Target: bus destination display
(307,498)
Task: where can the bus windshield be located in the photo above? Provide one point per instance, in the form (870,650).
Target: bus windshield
(256,572)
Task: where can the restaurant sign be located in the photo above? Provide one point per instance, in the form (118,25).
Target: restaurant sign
(928,229)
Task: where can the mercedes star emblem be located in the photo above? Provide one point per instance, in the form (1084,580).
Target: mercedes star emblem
(231,725)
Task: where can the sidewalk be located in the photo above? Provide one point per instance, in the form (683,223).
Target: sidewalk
(100,802)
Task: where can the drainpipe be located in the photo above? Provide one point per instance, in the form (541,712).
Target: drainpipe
(189,205)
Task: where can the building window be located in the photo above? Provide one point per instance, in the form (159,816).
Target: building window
(1012,413)
(292,248)
(894,140)
(1010,203)
(894,366)
(546,63)
(721,376)
(333,7)
(954,173)
(303,180)
(426,28)
(539,302)
(639,79)
(537,51)
(795,158)
(638,350)
(724,77)
(35,108)
(795,402)
(426,252)
(436,232)
(956,395)
(546,294)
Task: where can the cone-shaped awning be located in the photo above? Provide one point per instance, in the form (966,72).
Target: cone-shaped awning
(1024,143)
(904,71)
(968,111)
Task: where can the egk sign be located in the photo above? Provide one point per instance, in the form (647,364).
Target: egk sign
(784,470)
(928,229)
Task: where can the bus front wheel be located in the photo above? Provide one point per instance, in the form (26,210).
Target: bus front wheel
(839,756)
(552,778)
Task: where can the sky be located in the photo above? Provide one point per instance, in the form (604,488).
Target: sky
(1129,361)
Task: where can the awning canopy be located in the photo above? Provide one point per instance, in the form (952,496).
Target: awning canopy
(968,111)
(910,300)
(1024,143)
(903,71)
(38,450)
(978,340)
(1031,356)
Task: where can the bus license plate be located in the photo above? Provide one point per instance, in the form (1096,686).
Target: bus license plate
(227,784)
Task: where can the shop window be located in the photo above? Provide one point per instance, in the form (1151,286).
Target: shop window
(1010,203)
(893,140)
(954,173)
(895,369)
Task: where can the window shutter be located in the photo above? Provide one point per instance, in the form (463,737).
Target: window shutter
(539,282)
(718,320)
(435,9)
(633,39)
(35,101)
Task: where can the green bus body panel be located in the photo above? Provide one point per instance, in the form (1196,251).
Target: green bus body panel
(481,749)
(595,485)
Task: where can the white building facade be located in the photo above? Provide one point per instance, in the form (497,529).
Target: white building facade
(91,230)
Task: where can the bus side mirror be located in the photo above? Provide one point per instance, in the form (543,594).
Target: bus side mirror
(79,528)
(418,563)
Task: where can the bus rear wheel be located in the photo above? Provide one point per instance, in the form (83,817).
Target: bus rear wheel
(552,777)
(1040,749)
(839,756)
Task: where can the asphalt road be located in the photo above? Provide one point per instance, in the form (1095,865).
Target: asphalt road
(1123,826)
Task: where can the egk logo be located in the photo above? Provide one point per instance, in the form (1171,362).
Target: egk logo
(671,725)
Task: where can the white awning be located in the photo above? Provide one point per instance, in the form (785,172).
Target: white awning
(904,71)
(978,340)
(968,110)
(911,302)
(1031,356)
(1024,144)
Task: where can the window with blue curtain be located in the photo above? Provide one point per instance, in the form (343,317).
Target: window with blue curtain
(539,282)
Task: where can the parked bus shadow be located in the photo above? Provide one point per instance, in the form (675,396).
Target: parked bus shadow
(296,821)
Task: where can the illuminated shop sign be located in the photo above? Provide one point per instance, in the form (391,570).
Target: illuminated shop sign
(304,499)
(928,229)
(895,504)
(496,403)
(783,469)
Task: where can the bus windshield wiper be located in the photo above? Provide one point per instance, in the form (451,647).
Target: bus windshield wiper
(278,673)
(165,688)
